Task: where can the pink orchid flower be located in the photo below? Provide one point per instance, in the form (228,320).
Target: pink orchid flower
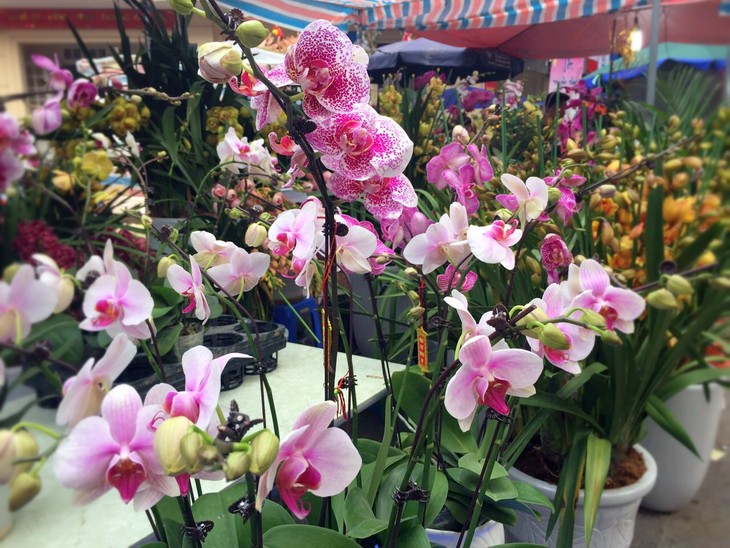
(243,273)
(620,307)
(354,248)
(286,147)
(561,181)
(297,231)
(47,118)
(491,244)
(361,144)
(385,197)
(452,279)
(23,302)
(555,255)
(580,340)
(83,393)
(114,450)
(11,169)
(60,78)
(190,285)
(210,252)
(401,230)
(567,205)
(11,137)
(116,303)
(263,101)
(443,241)
(234,152)
(449,160)
(330,70)
(469,327)
(202,388)
(483,171)
(531,197)
(312,458)
(487,376)
(53,276)
(81,94)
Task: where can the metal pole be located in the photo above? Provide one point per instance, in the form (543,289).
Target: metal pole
(653,53)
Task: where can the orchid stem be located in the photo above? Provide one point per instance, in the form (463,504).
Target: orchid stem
(33,426)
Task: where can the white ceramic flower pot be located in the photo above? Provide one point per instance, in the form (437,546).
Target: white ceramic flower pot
(6,517)
(488,534)
(679,472)
(616,514)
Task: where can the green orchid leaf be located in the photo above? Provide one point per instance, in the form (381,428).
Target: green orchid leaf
(286,536)
(598,459)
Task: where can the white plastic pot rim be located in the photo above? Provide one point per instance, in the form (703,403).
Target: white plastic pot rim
(610,497)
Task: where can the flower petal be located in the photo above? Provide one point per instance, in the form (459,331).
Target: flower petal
(520,368)
(336,459)
(592,276)
(119,409)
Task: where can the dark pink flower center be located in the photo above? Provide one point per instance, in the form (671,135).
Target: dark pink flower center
(126,476)
(108,312)
(355,139)
(609,314)
(318,77)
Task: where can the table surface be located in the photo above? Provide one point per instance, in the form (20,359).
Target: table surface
(52,520)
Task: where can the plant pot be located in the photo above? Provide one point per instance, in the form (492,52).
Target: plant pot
(487,534)
(140,375)
(679,472)
(6,516)
(186,342)
(616,513)
(225,323)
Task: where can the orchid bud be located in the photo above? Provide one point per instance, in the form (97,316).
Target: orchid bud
(10,271)
(460,134)
(606,233)
(234,213)
(7,456)
(236,465)
(382,259)
(413,296)
(719,282)
(23,489)
(611,338)
(607,191)
(66,290)
(415,313)
(552,337)
(594,201)
(182,7)
(265,448)
(679,285)
(255,235)
(662,299)
(146,221)
(594,319)
(533,322)
(218,62)
(164,265)
(26,447)
(190,449)
(554,195)
(167,444)
(411,273)
(252,33)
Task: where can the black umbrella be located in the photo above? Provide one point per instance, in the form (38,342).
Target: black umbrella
(421,55)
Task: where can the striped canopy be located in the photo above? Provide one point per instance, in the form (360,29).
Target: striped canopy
(426,14)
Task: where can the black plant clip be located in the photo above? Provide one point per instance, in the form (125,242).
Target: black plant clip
(237,425)
(244,507)
(437,322)
(412,492)
(500,322)
(260,368)
(232,19)
(200,531)
(496,416)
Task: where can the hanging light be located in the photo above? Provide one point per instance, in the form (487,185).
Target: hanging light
(636,38)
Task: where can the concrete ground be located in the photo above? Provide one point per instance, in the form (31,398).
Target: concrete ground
(705,521)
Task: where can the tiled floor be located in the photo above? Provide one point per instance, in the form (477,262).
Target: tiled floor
(705,521)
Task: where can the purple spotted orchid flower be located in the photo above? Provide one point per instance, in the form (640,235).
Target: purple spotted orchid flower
(331,71)
(361,144)
(385,197)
